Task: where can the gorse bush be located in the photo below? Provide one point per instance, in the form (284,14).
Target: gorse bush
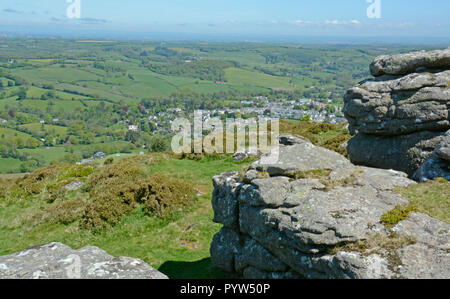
(336,144)
(160,194)
(49,182)
(328,136)
(113,175)
(157,194)
(110,192)
(3,188)
(110,199)
(64,212)
(119,188)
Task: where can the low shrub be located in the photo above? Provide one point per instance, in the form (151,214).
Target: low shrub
(65,212)
(322,134)
(119,188)
(160,194)
(335,144)
(109,161)
(3,188)
(50,180)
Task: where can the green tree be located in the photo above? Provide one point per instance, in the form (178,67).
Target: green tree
(158,144)
(306,117)
(22,93)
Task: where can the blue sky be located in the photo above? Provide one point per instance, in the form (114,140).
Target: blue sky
(425,18)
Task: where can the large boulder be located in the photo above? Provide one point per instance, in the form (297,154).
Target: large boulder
(397,106)
(403,64)
(303,225)
(58,261)
(290,162)
(405,153)
(400,116)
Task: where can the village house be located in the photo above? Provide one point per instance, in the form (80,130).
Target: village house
(133,128)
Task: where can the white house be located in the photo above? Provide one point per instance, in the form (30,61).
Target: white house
(134,128)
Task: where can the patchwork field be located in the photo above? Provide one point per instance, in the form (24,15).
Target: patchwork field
(88,92)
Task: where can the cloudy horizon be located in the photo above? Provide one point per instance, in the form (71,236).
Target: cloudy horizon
(401,18)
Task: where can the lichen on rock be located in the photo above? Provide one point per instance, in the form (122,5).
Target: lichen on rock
(320,225)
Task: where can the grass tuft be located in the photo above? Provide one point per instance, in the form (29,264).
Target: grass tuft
(400,213)
(432,198)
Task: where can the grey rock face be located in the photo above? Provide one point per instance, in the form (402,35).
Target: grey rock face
(226,188)
(75,185)
(404,153)
(240,156)
(244,154)
(397,116)
(295,228)
(290,140)
(438,164)
(302,156)
(58,261)
(429,257)
(226,245)
(407,63)
(396,106)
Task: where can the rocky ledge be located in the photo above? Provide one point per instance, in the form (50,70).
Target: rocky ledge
(401,116)
(58,261)
(313,214)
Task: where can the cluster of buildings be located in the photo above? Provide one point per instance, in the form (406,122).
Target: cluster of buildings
(257,107)
(284,109)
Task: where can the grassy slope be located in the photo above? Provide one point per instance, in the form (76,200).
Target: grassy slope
(8,165)
(183,239)
(178,245)
(36,129)
(6,133)
(244,77)
(432,198)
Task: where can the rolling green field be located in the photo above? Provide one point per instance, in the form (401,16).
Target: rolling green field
(9,165)
(38,129)
(87,93)
(249,78)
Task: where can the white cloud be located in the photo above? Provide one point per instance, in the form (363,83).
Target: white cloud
(333,22)
(336,22)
